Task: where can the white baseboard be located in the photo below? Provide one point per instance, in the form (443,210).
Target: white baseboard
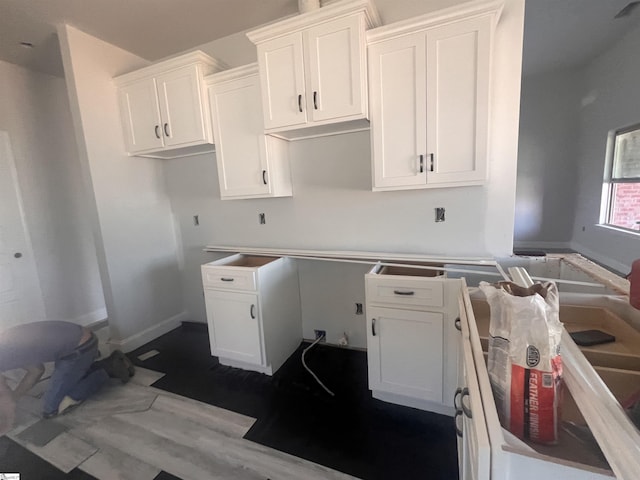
(137,340)
(541,245)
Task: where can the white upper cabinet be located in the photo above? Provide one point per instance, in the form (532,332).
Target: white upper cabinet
(429,101)
(250,163)
(164,109)
(313,69)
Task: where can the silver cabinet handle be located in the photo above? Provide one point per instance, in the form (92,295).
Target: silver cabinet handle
(315,100)
(252,311)
(226,279)
(157,130)
(300,103)
(457,324)
(373,327)
(264,177)
(455,421)
(421,167)
(404,292)
(166,130)
(455,398)
(17,255)
(465,409)
(431,162)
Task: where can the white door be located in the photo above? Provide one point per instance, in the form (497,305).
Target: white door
(20,295)
(335,70)
(397,102)
(181,107)
(141,116)
(458,57)
(405,352)
(234,325)
(282,81)
(240,142)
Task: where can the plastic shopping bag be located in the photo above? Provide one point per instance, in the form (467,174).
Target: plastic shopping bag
(525,367)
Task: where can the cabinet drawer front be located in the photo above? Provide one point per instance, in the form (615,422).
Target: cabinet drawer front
(229,278)
(405,291)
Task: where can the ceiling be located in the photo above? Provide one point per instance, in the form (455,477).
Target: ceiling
(557,32)
(567,33)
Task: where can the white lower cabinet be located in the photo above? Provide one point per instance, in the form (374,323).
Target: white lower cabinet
(253,311)
(411,337)
(589,401)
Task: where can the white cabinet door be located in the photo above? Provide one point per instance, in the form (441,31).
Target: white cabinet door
(458,101)
(141,116)
(335,71)
(240,142)
(282,81)
(405,352)
(234,326)
(181,106)
(397,99)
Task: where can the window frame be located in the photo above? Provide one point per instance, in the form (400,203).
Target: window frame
(609,181)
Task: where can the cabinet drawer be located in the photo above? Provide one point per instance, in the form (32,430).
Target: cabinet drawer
(229,278)
(398,290)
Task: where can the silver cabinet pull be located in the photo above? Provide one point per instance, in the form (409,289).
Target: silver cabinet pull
(431,162)
(300,103)
(465,409)
(404,292)
(455,421)
(226,279)
(315,100)
(457,324)
(455,398)
(166,130)
(421,168)
(373,327)
(264,177)
(157,130)
(252,311)
(17,255)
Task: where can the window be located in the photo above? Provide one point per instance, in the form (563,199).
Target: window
(621,196)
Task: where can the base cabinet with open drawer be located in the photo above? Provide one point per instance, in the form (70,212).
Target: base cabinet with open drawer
(596,438)
(253,311)
(411,336)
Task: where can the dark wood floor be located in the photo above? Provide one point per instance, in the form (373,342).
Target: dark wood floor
(351,432)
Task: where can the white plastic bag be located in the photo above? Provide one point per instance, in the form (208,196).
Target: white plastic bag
(525,368)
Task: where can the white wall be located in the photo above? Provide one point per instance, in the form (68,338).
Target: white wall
(130,211)
(611,85)
(333,207)
(35,111)
(566,117)
(547,159)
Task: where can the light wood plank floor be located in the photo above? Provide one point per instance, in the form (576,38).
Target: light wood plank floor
(134,431)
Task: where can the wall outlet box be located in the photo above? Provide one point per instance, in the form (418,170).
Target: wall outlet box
(321,334)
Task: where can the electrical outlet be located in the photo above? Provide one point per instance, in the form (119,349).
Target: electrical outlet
(262,219)
(439,214)
(321,334)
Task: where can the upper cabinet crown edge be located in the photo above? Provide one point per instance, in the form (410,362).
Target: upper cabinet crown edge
(451,14)
(329,11)
(172,63)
